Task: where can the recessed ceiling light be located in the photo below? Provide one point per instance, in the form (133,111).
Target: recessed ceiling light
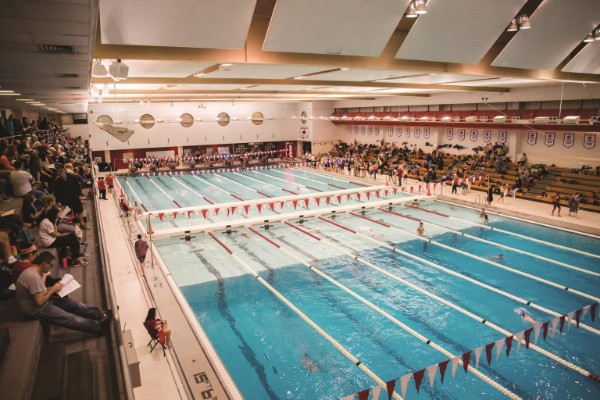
(344,69)
(24,99)
(226,65)
(8,93)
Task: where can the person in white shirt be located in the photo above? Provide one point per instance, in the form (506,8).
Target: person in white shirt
(21,182)
(50,237)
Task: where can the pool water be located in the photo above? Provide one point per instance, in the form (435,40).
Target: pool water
(272,353)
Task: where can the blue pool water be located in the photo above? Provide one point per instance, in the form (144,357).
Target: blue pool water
(272,353)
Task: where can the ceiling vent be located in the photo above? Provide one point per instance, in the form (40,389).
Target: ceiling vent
(67,75)
(56,49)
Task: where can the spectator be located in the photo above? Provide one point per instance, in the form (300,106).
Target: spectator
(67,192)
(37,301)
(21,183)
(50,237)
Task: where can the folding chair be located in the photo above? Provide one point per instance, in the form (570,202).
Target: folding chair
(155,338)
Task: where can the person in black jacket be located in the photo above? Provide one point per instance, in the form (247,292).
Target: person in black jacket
(67,191)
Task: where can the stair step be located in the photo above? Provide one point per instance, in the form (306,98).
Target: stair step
(49,377)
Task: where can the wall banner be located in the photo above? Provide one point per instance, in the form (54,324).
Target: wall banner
(449,133)
(370,130)
(569,139)
(549,139)
(426,133)
(417,132)
(363,129)
(487,136)
(407,132)
(474,135)
(461,134)
(502,136)
(390,131)
(376,130)
(356,129)
(398,131)
(589,140)
(531,138)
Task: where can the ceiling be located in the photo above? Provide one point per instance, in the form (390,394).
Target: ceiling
(288,50)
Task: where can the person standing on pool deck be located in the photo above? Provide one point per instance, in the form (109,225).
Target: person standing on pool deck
(141,248)
(556,204)
(420,229)
(490,195)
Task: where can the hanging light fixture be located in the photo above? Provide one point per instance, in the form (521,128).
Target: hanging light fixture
(410,13)
(524,22)
(588,38)
(420,7)
(513,27)
(98,69)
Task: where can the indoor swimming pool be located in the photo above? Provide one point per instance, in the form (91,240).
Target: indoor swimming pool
(292,307)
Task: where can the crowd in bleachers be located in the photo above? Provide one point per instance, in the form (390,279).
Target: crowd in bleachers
(46,172)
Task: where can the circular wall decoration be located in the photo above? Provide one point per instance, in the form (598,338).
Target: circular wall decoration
(223,119)
(187,120)
(257,118)
(147,121)
(104,120)
(303,116)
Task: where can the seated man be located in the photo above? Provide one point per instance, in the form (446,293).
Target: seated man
(37,301)
(21,183)
(124,207)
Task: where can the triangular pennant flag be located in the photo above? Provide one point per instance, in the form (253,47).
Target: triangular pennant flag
(228,212)
(295,203)
(306,203)
(536,330)
(396,190)
(554,325)
(246,208)
(499,345)
(348,197)
(281,205)
(411,189)
(454,365)
(419,188)
(339,199)
(434,185)
(488,352)
(149,231)
(431,370)
(318,200)
(368,195)
(385,193)
(259,207)
(428,190)
(376,390)
(545,326)
(204,213)
(358,196)
(403,384)
(593,310)
(519,337)
(585,310)
(477,355)
(418,378)
(189,213)
(390,387)
(569,319)
(363,394)
(508,345)
(577,316)
(527,334)
(327,199)
(443,366)
(161,215)
(466,357)
(272,205)
(217,211)
(377,193)
(233,209)
(562,322)
(174,214)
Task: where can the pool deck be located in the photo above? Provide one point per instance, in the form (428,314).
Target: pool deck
(188,358)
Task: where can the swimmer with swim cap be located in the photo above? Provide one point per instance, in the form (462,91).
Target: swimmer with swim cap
(309,364)
(420,228)
(523,314)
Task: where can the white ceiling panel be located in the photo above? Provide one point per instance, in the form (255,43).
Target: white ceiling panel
(587,61)
(557,27)
(345,27)
(261,71)
(176,23)
(456,42)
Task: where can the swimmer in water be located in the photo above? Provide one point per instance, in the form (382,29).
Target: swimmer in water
(309,364)
(523,314)
(245,235)
(499,257)
(420,229)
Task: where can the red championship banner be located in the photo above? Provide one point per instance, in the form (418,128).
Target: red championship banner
(569,139)
(589,140)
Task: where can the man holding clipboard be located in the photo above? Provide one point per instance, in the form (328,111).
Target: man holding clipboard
(37,301)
